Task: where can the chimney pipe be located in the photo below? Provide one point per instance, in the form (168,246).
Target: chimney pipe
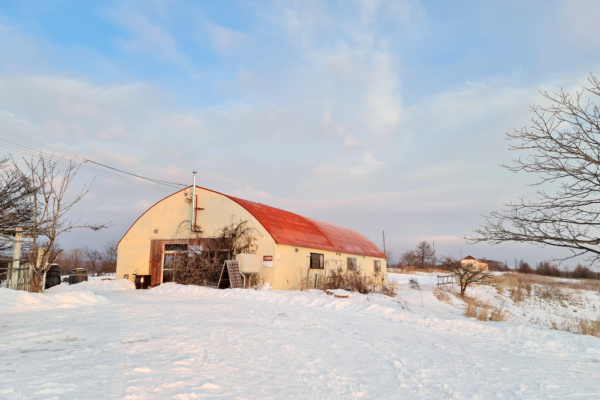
(193,227)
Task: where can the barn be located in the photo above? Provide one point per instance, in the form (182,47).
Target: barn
(291,247)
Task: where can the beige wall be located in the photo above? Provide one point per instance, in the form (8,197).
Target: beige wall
(289,266)
(165,216)
(475,264)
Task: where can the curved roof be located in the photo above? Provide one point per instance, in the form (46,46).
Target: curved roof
(293,229)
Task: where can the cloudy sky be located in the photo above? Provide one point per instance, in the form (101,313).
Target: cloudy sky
(375,115)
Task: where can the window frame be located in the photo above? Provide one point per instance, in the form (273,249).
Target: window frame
(175,247)
(321,259)
(377,266)
(351,265)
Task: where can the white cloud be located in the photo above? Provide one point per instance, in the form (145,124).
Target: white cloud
(225,40)
(148,37)
(367,166)
(339,132)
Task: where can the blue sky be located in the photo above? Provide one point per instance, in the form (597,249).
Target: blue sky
(370,114)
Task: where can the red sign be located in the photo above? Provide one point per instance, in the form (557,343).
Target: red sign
(267,258)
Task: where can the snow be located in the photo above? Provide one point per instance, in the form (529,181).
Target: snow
(187,342)
(18,301)
(94,284)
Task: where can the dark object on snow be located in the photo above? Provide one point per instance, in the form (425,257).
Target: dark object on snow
(143,281)
(52,276)
(77,275)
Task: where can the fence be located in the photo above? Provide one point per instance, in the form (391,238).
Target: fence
(17,278)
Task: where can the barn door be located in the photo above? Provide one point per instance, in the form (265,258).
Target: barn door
(156,261)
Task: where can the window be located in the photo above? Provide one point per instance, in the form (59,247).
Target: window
(168,267)
(377,265)
(351,264)
(316,261)
(176,247)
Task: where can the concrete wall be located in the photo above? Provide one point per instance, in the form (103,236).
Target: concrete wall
(289,266)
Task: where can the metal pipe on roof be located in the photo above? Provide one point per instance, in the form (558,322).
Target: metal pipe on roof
(193,227)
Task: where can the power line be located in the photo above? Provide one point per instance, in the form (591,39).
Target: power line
(87,169)
(88,160)
(150,183)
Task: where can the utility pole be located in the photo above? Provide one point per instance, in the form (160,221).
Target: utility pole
(434,260)
(383,242)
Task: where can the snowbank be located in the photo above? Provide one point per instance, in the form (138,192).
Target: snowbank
(18,300)
(187,342)
(98,284)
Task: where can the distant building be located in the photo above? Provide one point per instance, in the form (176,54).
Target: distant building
(291,247)
(474,263)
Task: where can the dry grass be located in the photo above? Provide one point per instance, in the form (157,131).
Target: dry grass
(577,284)
(484,311)
(415,270)
(470,308)
(558,294)
(589,327)
(352,281)
(442,295)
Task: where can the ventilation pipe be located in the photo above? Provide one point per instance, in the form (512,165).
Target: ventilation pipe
(193,227)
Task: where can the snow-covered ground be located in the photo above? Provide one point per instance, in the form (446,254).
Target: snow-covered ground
(102,339)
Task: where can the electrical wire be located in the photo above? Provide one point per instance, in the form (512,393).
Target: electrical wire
(85,168)
(150,183)
(88,160)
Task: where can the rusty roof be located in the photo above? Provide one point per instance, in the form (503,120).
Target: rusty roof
(295,230)
(473,258)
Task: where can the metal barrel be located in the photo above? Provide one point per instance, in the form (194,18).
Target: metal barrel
(52,276)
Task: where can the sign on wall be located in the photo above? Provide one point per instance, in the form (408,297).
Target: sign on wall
(268,261)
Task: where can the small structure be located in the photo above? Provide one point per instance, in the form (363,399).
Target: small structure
(78,275)
(474,264)
(290,248)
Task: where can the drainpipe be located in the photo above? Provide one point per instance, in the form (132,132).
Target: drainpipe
(193,227)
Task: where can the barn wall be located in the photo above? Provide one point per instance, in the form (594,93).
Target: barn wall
(166,215)
(292,266)
(289,266)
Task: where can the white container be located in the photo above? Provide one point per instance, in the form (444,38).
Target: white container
(249,263)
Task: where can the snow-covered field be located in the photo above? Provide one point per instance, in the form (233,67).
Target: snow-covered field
(102,339)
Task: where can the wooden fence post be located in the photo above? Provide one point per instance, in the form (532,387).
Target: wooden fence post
(16,274)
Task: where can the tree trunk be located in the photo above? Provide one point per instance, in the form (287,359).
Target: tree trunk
(35,282)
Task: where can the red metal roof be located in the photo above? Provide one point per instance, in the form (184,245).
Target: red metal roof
(293,229)
(473,258)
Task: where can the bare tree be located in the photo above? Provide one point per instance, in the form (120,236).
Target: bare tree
(466,273)
(424,253)
(409,258)
(564,148)
(70,259)
(94,260)
(14,205)
(109,256)
(47,182)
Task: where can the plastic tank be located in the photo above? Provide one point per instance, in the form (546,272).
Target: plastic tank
(249,263)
